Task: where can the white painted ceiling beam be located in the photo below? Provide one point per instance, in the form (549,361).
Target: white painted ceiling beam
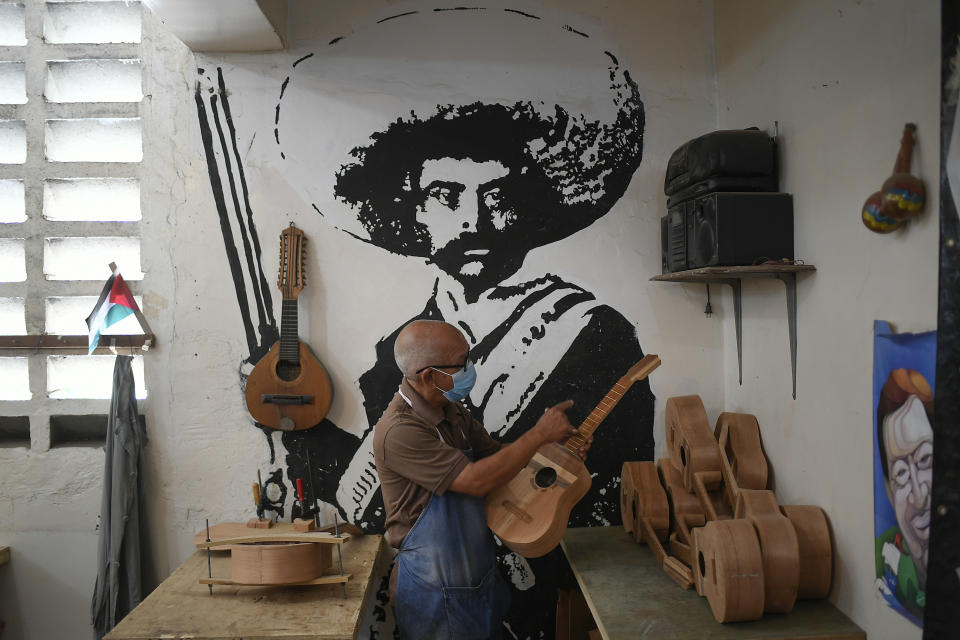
(225,25)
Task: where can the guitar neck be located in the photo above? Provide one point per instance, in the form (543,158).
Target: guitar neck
(598,414)
(289,332)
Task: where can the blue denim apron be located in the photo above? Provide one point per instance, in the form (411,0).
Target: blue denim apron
(448,583)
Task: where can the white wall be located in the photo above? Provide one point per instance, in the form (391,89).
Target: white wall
(204,461)
(842,78)
(838,142)
(203,451)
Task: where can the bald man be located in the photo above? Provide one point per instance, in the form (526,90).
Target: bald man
(436,463)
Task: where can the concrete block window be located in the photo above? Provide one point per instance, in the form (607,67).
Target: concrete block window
(71,75)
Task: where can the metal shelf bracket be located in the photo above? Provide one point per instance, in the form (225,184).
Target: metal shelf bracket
(733,276)
(789,281)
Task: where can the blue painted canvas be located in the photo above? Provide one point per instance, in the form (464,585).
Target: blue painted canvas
(904,369)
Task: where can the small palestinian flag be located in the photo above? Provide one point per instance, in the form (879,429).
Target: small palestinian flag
(115,303)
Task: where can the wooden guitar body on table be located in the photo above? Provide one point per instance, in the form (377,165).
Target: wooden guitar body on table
(529,514)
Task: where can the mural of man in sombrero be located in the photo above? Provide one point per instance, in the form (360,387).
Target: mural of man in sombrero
(470,176)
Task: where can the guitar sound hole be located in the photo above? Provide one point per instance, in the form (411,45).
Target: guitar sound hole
(287,371)
(545,477)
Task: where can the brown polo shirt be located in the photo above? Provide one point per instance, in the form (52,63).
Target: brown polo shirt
(417,450)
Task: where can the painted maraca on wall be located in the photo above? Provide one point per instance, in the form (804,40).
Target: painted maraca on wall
(902,195)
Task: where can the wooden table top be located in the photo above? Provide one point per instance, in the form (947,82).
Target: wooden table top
(182,608)
(631,598)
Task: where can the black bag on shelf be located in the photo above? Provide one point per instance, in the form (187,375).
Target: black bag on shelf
(712,185)
(730,160)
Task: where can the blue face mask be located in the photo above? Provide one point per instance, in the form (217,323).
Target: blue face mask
(463,382)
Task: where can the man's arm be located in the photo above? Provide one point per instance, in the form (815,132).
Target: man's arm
(481,477)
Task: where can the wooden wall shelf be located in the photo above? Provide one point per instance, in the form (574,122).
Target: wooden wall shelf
(56,344)
(734,276)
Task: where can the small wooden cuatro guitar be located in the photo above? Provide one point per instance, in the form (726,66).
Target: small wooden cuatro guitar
(530,513)
(289,389)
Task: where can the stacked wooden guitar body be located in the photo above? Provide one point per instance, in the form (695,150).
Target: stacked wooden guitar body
(711,522)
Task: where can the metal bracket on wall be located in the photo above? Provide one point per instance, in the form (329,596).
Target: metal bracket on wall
(735,285)
(733,276)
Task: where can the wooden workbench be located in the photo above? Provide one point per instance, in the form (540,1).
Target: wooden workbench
(182,608)
(631,598)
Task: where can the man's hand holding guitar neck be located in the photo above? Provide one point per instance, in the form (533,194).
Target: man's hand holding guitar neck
(481,477)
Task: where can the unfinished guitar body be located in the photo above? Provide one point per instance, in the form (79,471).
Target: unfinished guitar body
(729,570)
(282,397)
(741,454)
(816,552)
(690,441)
(778,545)
(642,496)
(279,563)
(529,513)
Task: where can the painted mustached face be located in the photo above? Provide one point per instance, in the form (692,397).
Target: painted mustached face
(465,210)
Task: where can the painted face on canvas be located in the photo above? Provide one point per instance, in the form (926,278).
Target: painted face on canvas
(465,212)
(908,439)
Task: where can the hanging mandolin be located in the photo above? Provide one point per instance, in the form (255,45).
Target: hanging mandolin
(289,389)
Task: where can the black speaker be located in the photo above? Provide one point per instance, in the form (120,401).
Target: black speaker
(673,239)
(727,229)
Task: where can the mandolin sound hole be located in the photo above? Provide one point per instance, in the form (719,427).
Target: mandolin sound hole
(287,371)
(545,477)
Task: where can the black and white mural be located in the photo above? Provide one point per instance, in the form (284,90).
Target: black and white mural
(464,139)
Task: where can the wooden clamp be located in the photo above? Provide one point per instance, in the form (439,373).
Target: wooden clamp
(685,512)
(224,534)
(280,555)
(271,535)
(646,514)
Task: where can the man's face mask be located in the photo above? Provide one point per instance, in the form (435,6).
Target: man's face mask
(463,382)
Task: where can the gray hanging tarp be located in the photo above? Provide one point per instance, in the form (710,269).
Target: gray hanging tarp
(117,589)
